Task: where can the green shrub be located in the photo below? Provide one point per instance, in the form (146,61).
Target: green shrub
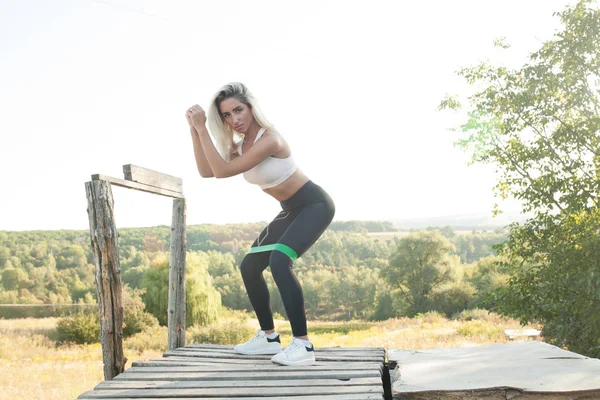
(479,328)
(151,338)
(228,332)
(431,317)
(81,328)
(476,313)
(84,327)
(453,297)
(135,317)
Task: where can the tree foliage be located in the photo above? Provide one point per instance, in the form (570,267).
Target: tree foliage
(340,274)
(539,125)
(420,263)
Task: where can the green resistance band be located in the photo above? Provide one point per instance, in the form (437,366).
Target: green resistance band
(291,253)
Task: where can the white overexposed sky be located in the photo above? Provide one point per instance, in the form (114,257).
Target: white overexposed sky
(87,86)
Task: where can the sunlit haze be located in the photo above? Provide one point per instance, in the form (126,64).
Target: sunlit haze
(87,86)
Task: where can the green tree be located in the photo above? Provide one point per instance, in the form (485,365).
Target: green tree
(135,317)
(202,299)
(71,256)
(489,275)
(452,298)
(155,284)
(420,263)
(539,125)
(232,290)
(4,255)
(14,279)
(384,307)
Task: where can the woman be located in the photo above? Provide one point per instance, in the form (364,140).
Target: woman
(248,144)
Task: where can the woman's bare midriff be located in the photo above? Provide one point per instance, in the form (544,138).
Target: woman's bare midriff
(289,187)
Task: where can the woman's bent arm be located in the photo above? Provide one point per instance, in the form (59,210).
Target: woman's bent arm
(201,161)
(258,152)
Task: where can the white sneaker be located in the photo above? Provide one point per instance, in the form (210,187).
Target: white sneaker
(259,344)
(296,353)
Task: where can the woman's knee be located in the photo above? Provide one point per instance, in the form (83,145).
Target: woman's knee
(280,263)
(252,265)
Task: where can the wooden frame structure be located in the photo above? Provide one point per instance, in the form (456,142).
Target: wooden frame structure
(104,241)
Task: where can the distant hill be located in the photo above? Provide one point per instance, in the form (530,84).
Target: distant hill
(461,221)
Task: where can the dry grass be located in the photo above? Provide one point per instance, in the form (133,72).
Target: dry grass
(428,331)
(35,368)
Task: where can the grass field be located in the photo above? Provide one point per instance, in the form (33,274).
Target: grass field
(34,367)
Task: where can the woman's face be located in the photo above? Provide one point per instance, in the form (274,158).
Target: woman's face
(236,114)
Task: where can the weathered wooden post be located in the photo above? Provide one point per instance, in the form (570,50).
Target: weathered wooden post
(177,276)
(103,234)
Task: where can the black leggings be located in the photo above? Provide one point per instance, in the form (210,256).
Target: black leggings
(304,218)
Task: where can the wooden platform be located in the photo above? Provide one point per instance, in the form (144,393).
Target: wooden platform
(208,372)
(529,370)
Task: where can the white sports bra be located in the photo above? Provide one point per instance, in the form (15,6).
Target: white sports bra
(271,171)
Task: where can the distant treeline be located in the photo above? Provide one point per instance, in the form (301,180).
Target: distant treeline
(341,273)
(360,226)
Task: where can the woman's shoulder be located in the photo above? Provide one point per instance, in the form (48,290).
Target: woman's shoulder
(283,147)
(272,132)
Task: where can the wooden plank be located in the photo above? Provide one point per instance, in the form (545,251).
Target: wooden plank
(207,367)
(176,301)
(319,365)
(152,178)
(360,396)
(247,375)
(318,356)
(113,385)
(231,361)
(332,348)
(103,234)
(193,350)
(137,186)
(231,392)
(363,353)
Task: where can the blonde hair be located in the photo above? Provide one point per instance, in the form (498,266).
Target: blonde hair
(226,137)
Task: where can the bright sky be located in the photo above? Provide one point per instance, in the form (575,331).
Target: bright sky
(87,86)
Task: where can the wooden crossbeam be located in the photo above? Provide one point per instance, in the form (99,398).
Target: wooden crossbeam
(138,186)
(149,177)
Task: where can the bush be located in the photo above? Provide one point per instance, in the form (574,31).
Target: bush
(453,298)
(152,338)
(228,332)
(479,328)
(431,317)
(136,319)
(232,328)
(81,328)
(477,314)
(84,327)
